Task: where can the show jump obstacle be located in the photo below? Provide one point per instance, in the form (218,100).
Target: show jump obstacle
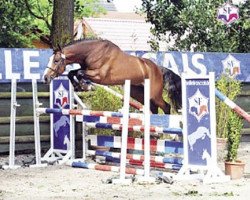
(199,138)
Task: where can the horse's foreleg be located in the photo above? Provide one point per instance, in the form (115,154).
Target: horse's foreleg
(72,75)
(83,83)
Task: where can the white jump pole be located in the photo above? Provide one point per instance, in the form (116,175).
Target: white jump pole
(146,111)
(146,128)
(37,136)
(125,110)
(12,127)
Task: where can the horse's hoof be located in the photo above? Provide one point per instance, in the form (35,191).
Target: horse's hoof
(92,88)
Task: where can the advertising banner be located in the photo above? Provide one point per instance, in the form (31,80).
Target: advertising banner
(27,64)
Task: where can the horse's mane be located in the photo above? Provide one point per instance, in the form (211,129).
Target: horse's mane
(76,42)
(81,40)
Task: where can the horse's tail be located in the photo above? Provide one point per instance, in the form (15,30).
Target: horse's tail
(172,84)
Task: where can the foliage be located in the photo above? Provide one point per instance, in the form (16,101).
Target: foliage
(101,100)
(193,25)
(15,24)
(42,11)
(231,88)
(234,127)
(229,124)
(23,20)
(88,8)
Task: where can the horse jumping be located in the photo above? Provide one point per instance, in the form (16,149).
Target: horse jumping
(105,63)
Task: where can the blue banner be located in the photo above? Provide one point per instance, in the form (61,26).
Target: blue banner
(27,64)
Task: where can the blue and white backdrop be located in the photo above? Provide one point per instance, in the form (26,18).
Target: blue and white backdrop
(25,64)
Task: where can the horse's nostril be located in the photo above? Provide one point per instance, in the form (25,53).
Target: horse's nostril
(46,79)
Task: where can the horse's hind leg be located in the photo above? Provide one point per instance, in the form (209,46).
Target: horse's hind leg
(155,103)
(153,107)
(137,92)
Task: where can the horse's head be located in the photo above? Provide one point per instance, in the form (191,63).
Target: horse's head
(56,66)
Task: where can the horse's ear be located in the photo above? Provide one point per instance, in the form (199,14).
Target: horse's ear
(59,47)
(54,49)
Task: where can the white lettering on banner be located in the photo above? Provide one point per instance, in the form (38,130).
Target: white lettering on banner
(151,56)
(200,66)
(186,67)
(133,53)
(169,62)
(8,66)
(27,64)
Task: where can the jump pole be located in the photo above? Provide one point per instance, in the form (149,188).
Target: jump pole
(125,111)
(14,105)
(146,110)
(37,136)
(232,105)
(86,112)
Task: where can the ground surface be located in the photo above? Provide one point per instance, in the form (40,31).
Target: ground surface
(63,182)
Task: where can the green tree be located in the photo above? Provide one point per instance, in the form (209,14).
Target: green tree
(193,25)
(88,8)
(15,24)
(23,20)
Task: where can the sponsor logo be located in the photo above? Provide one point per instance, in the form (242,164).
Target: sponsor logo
(198,105)
(228,13)
(61,96)
(231,65)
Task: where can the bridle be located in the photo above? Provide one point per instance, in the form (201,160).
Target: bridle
(58,64)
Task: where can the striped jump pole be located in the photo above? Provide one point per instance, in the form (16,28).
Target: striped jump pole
(153,129)
(108,120)
(168,147)
(159,123)
(86,112)
(94,166)
(137,157)
(132,162)
(171,158)
(232,105)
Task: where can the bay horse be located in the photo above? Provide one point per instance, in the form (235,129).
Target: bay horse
(105,63)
